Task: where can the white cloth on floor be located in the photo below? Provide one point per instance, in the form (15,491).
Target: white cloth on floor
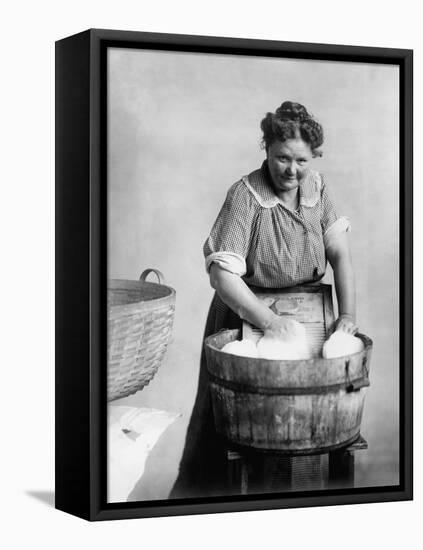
(132,434)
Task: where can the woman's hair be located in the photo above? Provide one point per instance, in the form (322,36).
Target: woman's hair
(292,121)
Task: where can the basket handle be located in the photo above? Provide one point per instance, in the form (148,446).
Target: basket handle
(158,274)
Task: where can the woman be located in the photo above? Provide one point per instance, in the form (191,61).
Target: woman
(276,229)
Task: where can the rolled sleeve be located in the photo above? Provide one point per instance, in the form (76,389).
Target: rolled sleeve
(339,226)
(234,263)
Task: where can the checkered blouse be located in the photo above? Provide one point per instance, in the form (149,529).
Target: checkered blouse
(258,238)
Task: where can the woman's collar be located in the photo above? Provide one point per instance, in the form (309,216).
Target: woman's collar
(259,184)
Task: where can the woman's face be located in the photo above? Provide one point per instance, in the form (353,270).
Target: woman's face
(288,162)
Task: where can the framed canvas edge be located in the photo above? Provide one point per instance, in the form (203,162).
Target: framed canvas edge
(72,256)
(263,503)
(93,449)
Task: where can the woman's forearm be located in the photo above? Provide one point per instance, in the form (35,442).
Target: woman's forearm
(235,293)
(344,285)
(339,256)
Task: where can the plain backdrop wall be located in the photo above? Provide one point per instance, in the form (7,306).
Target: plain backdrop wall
(182,128)
(27,274)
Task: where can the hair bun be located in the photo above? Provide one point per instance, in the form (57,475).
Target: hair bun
(292,111)
(292,121)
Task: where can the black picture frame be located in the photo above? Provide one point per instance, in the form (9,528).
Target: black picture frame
(81,254)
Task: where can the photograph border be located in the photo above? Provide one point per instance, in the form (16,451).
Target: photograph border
(81,272)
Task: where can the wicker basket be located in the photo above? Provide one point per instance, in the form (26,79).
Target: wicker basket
(139,324)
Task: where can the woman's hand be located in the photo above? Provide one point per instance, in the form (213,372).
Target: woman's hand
(280,328)
(345,323)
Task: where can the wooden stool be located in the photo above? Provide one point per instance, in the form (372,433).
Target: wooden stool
(262,472)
